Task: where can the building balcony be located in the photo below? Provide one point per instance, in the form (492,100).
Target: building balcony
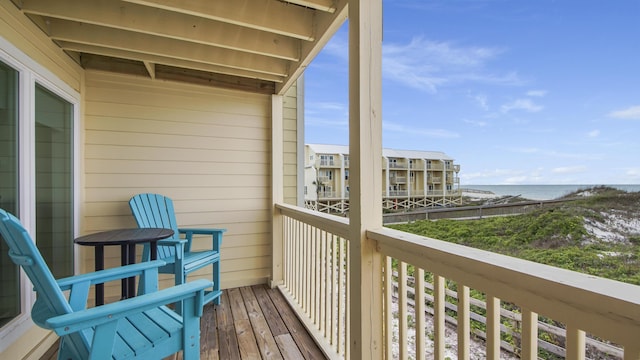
(328,194)
(398,180)
(396,193)
(434,180)
(397,166)
(417,275)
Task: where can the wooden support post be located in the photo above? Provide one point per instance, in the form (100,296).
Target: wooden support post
(365,148)
(529,335)
(277,191)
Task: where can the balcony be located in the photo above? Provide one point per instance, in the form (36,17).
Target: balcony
(590,314)
(398,179)
(328,194)
(434,179)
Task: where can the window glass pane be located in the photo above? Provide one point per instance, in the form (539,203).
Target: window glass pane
(9,275)
(54,181)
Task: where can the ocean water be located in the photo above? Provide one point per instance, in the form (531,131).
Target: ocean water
(541,192)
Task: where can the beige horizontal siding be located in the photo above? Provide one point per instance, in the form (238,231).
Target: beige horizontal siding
(208,149)
(290,110)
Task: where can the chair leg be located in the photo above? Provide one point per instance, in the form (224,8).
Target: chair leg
(180,278)
(216,281)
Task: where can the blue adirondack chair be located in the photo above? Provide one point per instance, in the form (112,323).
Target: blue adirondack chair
(156,211)
(140,327)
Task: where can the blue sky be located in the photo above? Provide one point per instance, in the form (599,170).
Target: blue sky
(518,92)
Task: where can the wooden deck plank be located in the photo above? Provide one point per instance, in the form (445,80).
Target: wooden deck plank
(246,340)
(288,347)
(237,305)
(270,312)
(305,342)
(209,334)
(266,343)
(227,339)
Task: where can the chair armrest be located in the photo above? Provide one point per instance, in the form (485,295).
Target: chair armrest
(216,236)
(70,323)
(79,285)
(209,231)
(103,276)
(171,242)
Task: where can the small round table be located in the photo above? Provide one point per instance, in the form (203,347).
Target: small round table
(127,239)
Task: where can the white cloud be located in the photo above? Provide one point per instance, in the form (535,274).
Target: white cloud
(569,169)
(593,133)
(428,65)
(422,132)
(476,122)
(521,104)
(481,100)
(536,93)
(332,106)
(631,113)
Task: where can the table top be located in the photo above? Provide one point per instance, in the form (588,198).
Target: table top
(124,236)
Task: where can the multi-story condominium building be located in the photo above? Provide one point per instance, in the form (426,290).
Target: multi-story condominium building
(410,179)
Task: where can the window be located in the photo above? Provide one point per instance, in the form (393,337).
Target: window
(37,153)
(9,273)
(54,185)
(326,160)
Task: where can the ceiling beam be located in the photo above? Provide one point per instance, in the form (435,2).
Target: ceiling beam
(326,26)
(273,16)
(156,59)
(151,68)
(153,21)
(324,5)
(149,44)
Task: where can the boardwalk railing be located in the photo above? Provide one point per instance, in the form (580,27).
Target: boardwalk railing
(316,282)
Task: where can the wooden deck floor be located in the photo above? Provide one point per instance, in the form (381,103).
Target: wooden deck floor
(254,323)
(250,323)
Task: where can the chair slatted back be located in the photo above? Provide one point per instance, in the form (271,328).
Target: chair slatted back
(50,299)
(155,211)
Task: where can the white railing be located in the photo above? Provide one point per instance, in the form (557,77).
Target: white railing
(588,315)
(582,304)
(316,277)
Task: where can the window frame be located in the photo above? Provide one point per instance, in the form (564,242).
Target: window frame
(31,73)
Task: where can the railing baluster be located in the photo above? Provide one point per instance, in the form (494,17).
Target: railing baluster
(529,335)
(286,243)
(575,343)
(347,299)
(312,275)
(335,283)
(298,267)
(464,322)
(341,298)
(419,314)
(388,313)
(402,310)
(324,267)
(438,316)
(493,327)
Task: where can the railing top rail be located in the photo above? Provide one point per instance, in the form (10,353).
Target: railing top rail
(337,225)
(603,307)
